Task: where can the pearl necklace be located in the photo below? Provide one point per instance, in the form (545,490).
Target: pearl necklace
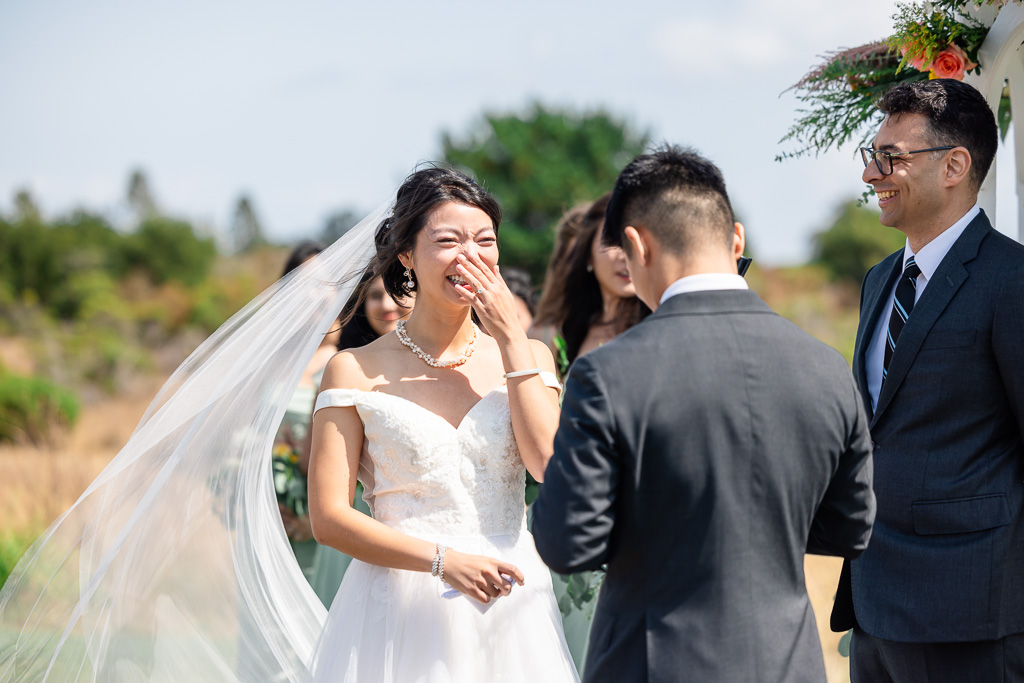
(403,337)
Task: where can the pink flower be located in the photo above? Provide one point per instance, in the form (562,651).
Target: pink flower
(951,63)
(917,62)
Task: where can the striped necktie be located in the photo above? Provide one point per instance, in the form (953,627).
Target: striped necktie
(902,305)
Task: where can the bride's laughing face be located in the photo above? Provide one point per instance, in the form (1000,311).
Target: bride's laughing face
(451,229)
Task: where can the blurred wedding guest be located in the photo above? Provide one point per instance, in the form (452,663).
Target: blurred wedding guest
(375,314)
(589,297)
(292,434)
(552,294)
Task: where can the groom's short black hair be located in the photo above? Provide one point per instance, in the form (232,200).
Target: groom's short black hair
(676,194)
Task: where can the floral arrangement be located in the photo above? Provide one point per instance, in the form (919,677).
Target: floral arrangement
(930,40)
(289,481)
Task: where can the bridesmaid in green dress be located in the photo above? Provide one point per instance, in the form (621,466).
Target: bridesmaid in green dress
(588,299)
(292,435)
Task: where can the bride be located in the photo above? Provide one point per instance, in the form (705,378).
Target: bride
(426,420)
(174,565)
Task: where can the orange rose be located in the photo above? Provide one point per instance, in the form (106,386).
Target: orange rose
(951,63)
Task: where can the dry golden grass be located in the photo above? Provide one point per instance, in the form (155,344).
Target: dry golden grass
(822,577)
(38,484)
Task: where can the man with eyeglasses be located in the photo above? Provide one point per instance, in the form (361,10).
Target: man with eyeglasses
(939,593)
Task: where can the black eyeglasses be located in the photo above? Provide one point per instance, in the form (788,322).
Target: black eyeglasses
(883,159)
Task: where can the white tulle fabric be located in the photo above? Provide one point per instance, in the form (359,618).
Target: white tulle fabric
(173,566)
(461,486)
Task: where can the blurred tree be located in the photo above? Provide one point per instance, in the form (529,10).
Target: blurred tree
(25,207)
(855,242)
(30,265)
(168,249)
(338,223)
(246,230)
(140,198)
(91,255)
(539,164)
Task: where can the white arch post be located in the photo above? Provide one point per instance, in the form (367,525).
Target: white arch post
(1001,59)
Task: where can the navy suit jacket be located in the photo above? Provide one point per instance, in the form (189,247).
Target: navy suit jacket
(700,455)
(946,560)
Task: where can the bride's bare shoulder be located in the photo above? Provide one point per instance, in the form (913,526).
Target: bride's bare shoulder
(354,368)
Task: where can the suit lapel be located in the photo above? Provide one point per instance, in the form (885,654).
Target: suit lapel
(945,282)
(877,313)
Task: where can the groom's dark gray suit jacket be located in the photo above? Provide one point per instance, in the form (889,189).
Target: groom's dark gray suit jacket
(699,455)
(946,561)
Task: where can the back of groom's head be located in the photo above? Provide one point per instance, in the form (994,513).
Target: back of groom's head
(677,195)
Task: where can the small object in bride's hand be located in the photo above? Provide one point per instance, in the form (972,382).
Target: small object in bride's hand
(483,607)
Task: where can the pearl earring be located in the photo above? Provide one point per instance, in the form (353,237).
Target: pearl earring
(590,268)
(409,284)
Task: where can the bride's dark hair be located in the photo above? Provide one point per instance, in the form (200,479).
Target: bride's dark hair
(421,193)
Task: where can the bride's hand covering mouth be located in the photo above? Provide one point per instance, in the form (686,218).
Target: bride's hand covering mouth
(490,297)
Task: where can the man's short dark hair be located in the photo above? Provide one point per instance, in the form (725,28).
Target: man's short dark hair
(957,114)
(676,194)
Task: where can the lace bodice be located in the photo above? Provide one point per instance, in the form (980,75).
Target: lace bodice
(422,475)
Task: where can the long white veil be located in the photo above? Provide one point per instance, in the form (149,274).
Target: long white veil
(174,566)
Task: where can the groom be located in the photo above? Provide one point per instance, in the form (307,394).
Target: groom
(701,454)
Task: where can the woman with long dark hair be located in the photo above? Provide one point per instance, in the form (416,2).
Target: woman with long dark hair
(588,296)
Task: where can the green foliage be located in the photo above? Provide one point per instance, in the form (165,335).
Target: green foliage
(539,164)
(580,590)
(70,266)
(855,242)
(33,410)
(12,547)
(839,98)
(844,644)
(168,249)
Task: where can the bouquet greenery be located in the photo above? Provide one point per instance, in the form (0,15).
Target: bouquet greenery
(289,481)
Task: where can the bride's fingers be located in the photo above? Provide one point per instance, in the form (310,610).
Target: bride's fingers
(513,571)
(468,293)
(490,589)
(473,279)
(475,265)
(500,583)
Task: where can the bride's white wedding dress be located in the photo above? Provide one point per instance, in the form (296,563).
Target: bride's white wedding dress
(461,486)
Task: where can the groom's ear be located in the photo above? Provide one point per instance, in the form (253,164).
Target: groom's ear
(739,239)
(638,244)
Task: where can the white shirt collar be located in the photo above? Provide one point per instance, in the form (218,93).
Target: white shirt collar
(931,254)
(702,282)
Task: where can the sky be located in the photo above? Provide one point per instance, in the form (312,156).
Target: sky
(315,107)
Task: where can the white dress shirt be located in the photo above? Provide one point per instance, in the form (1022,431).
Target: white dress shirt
(928,259)
(703,282)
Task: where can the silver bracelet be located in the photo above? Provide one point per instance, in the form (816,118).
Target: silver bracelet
(437,566)
(523,373)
